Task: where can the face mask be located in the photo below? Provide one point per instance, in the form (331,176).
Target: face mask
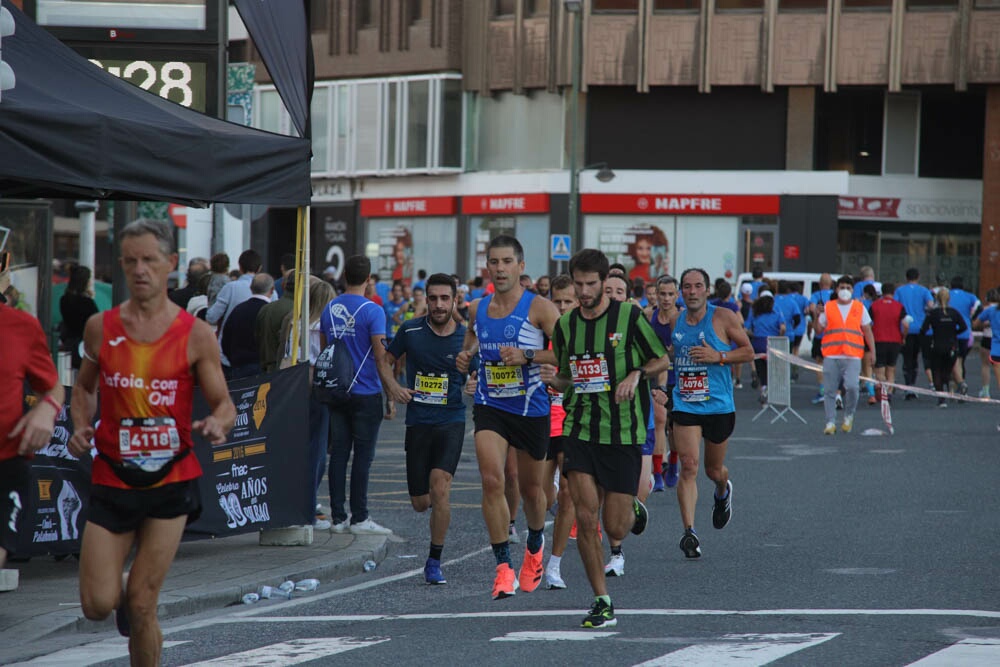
(845,294)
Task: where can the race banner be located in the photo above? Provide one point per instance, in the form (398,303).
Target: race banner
(260,477)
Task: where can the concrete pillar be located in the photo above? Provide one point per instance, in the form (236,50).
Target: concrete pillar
(800,128)
(989,262)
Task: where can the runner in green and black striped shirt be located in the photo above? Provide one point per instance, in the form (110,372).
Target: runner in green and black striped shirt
(605,351)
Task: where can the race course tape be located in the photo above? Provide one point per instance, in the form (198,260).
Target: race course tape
(799,361)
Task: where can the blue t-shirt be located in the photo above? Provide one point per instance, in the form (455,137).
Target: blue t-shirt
(859,289)
(764,325)
(355,319)
(964,302)
(430,362)
(914,298)
(991,315)
(819,299)
(788,306)
(391,308)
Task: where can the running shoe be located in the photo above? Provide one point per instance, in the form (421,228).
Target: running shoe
(532,569)
(658,485)
(673,473)
(369,527)
(615,566)
(512,535)
(963,389)
(342,526)
(754,382)
(322,524)
(763,396)
(723,510)
(871,399)
(505,584)
(848,424)
(602,615)
(910,396)
(690,544)
(554,580)
(817,399)
(738,385)
(942,403)
(641,517)
(122,621)
(432,572)
(830,428)
(984,392)
(839,402)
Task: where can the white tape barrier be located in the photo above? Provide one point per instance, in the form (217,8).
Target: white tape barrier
(799,361)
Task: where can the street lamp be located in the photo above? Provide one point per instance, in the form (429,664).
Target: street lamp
(575,7)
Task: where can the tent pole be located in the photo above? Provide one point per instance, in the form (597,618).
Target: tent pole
(300,280)
(305,211)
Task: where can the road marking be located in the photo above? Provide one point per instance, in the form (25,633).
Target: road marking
(851,571)
(88,654)
(744,650)
(554,636)
(764,458)
(244,617)
(292,652)
(966,653)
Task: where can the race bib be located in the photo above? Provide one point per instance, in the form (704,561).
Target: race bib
(148,443)
(431,389)
(693,385)
(555,397)
(590,373)
(504,381)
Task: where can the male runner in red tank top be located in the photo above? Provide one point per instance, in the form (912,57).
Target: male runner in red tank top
(144,357)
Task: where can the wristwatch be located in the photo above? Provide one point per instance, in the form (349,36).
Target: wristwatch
(529,355)
(722,358)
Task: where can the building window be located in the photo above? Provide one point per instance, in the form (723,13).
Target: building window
(503,8)
(415,10)
(987,4)
(737,5)
(616,5)
(397,125)
(676,5)
(366,13)
(849,131)
(801,5)
(868,4)
(931,4)
(536,7)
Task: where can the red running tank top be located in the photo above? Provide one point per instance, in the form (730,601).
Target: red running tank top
(143,381)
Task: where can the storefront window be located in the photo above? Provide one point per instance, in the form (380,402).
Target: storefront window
(404,246)
(532,231)
(676,5)
(616,5)
(321,127)
(891,253)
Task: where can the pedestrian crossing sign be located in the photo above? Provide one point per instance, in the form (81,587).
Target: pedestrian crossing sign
(559,248)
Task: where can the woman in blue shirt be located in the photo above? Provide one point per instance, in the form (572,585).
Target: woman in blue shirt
(764,320)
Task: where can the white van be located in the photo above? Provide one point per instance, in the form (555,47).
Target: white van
(808,282)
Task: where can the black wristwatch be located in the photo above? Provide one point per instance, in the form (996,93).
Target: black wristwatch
(529,355)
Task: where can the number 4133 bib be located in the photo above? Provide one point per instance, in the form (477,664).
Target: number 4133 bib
(590,373)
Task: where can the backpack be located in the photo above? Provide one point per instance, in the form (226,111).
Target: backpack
(334,374)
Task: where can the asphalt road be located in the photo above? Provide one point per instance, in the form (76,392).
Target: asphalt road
(843,550)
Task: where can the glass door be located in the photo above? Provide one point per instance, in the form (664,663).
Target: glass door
(759,248)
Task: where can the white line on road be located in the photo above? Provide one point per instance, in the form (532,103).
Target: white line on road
(744,650)
(292,652)
(554,636)
(979,652)
(88,654)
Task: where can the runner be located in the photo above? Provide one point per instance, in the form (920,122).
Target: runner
(607,351)
(23,356)
(144,358)
(661,319)
(889,328)
(988,322)
(816,304)
(435,414)
(917,300)
(564,297)
(508,328)
(704,338)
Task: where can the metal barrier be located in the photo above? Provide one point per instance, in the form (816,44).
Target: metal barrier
(779,380)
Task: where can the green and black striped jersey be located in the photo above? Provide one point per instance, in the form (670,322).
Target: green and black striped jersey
(597,354)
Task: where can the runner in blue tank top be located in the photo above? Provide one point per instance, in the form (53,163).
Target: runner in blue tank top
(508,329)
(706,340)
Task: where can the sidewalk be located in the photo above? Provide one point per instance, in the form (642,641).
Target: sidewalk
(206,574)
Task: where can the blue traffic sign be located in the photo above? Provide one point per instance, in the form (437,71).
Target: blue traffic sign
(559,248)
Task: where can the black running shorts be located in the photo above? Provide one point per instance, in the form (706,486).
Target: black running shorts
(886,354)
(428,447)
(615,468)
(529,434)
(124,510)
(555,447)
(714,428)
(15,485)
(817,347)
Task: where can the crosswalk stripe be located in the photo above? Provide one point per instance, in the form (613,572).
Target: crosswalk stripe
(554,635)
(88,654)
(979,652)
(291,652)
(744,650)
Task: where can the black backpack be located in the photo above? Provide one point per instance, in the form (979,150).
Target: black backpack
(334,374)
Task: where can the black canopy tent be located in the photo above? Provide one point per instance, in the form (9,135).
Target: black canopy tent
(69,129)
